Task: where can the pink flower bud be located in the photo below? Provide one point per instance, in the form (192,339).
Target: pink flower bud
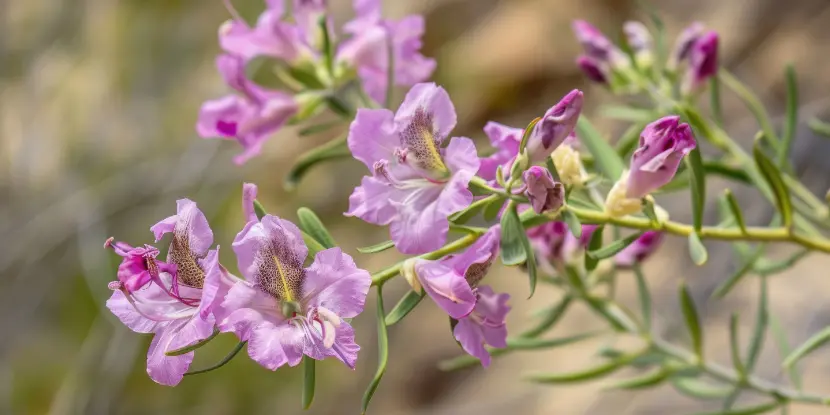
(557,123)
(542,191)
(640,249)
(703,62)
(663,143)
(684,44)
(640,41)
(592,69)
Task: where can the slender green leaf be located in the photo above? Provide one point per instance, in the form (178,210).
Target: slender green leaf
(784,350)
(768,267)
(726,286)
(551,318)
(309,374)
(379,247)
(760,330)
(222,362)
(735,209)
(407,303)
(608,162)
(313,246)
(714,99)
(461,362)
(583,375)
(749,410)
(699,389)
(734,346)
(573,223)
(646,380)
(593,245)
(328,46)
(645,297)
(526,135)
(817,340)
(698,184)
(791,119)
(332,150)
(773,177)
(259,210)
(819,127)
(312,225)
(753,104)
(512,233)
(648,210)
(491,211)
(530,264)
(697,250)
(339,106)
(304,76)
(613,248)
(687,304)
(718,168)
(383,353)
(552,168)
(474,209)
(194,346)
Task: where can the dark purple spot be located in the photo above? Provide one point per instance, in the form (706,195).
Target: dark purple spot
(226,128)
(669,144)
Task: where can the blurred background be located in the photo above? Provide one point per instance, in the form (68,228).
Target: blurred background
(98,100)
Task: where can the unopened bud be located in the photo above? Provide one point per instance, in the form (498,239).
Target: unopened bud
(542,191)
(408,272)
(520,164)
(568,164)
(641,43)
(557,123)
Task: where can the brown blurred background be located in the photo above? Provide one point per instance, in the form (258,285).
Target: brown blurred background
(98,99)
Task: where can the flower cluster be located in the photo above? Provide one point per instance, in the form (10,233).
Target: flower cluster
(312,65)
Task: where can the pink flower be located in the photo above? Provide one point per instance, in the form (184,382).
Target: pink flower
(555,126)
(368,49)
(663,144)
(453,283)
(285,310)
(542,191)
(416,182)
(684,43)
(703,62)
(249,117)
(640,249)
(555,245)
(181,304)
(506,141)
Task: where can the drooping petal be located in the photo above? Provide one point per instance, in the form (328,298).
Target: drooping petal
(121,308)
(344,348)
(411,66)
(461,157)
(475,261)
(485,325)
(275,38)
(373,137)
(273,345)
(471,338)
(274,110)
(542,191)
(237,37)
(222,117)
(506,141)
(446,287)
(373,201)
(169,370)
(334,281)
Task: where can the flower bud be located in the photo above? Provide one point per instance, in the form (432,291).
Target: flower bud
(684,44)
(519,164)
(598,47)
(408,272)
(543,193)
(557,123)
(568,164)
(617,204)
(703,63)
(663,143)
(640,249)
(592,69)
(641,43)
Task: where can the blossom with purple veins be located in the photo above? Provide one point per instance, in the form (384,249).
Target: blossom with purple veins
(417,182)
(285,310)
(177,300)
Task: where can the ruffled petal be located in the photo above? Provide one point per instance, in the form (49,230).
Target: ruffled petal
(483,251)
(469,335)
(506,141)
(344,348)
(217,284)
(372,136)
(163,369)
(461,156)
(334,281)
(121,308)
(373,201)
(275,345)
(446,287)
(246,307)
(433,100)
(257,241)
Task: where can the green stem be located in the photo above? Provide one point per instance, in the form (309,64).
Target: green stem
(222,362)
(384,275)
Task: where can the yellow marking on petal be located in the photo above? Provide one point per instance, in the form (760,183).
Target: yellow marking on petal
(283,280)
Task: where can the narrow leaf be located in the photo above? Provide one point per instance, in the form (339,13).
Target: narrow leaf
(648,210)
(714,99)
(749,410)
(699,389)
(760,330)
(574,225)
(259,210)
(309,373)
(734,345)
(697,250)
(698,185)
(726,286)
(383,353)
(735,209)
(594,244)
(819,127)
(614,248)
(791,119)
(608,161)
(491,211)
(526,135)
(311,224)
(584,375)
(512,233)
(647,380)
(718,168)
(379,247)
(629,139)
(784,349)
(819,339)
(461,362)
(645,297)
(473,210)
(773,177)
(319,128)
(769,267)
(692,320)
(551,318)
(752,103)
(334,149)
(406,304)
(313,246)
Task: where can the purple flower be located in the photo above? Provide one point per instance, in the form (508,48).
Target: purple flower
(703,62)
(271,36)
(285,310)
(640,249)
(453,283)
(249,117)
(597,46)
(640,41)
(416,182)
(593,69)
(368,49)
(181,304)
(663,143)
(684,44)
(506,141)
(542,191)
(557,123)
(554,244)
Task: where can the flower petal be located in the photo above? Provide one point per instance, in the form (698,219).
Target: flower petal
(163,369)
(471,338)
(433,100)
(334,282)
(275,345)
(372,201)
(121,308)
(372,136)
(446,287)
(344,348)
(249,192)
(461,156)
